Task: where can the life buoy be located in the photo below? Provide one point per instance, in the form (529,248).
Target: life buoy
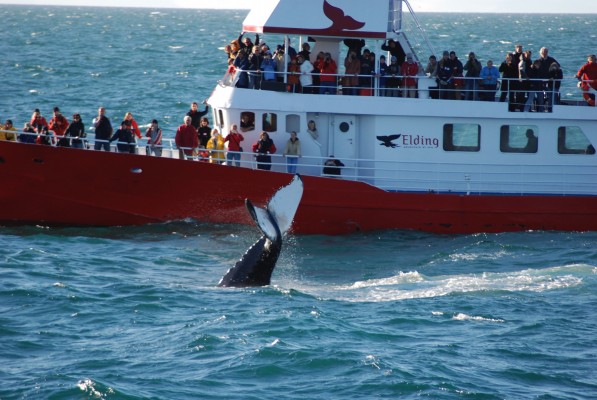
(586,85)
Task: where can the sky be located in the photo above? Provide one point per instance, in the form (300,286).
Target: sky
(518,6)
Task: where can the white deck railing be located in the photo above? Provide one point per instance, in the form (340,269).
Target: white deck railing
(558,178)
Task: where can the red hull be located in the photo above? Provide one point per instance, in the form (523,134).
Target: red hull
(61,186)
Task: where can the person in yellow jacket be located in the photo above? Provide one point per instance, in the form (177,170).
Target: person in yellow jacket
(11,137)
(216,146)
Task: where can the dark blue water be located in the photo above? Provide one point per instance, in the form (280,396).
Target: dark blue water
(134,313)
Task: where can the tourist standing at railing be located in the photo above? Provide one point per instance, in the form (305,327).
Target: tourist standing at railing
(125,138)
(520,95)
(316,71)
(154,144)
(545,62)
(186,139)
(473,69)
(366,73)
(38,122)
(509,71)
(280,63)
(489,78)
(328,79)
(268,67)
(215,145)
(457,76)
(59,124)
(445,76)
(45,136)
(410,70)
(262,149)
(294,73)
(234,148)
(255,60)
(381,75)
(352,67)
(103,130)
(241,63)
(292,153)
(28,135)
(525,85)
(536,96)
(204,132)
(587,76)
(76,132)
(393,78)
(306,71)
(555,81)
(134,126)
(8,128)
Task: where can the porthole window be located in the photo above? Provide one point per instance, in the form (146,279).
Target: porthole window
(344,127)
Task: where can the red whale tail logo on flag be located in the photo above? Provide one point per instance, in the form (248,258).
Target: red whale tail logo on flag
(340,21)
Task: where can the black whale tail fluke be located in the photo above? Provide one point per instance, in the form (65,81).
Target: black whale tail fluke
(257,264)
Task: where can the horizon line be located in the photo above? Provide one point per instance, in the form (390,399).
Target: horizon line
(242,8)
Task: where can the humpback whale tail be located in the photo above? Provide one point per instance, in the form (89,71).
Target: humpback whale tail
(257,264)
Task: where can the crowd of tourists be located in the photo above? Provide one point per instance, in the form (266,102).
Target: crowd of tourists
(527,84)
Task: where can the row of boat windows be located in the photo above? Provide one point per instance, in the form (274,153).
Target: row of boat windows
(456,137)
(515,139)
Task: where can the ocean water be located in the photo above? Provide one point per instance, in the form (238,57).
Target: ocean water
(134,313)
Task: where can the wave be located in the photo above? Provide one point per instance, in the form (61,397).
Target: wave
(414,285)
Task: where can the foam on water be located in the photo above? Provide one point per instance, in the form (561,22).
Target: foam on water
(413,285)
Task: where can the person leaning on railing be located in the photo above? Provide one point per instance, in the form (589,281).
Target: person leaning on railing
(489,77)
(5,133)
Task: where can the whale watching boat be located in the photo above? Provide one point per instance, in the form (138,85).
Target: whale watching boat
(431,162)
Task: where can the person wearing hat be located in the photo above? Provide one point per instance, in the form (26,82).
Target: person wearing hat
(76,131)
(125,137)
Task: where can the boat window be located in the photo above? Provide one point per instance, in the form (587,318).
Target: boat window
(572,140)
(519,138)
(270,122)
(462,137)
(293,123)
(247,121)
(220,119)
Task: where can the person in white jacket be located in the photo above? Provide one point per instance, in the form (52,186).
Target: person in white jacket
(306,78)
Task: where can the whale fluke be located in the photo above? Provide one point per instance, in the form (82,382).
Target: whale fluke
(257,264)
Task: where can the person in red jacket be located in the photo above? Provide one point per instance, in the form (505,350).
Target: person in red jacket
(234,138)
(587,75)
(186,139)
(328,70)
(409,69)
(59,124)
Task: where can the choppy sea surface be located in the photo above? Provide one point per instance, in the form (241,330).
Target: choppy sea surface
(134,313)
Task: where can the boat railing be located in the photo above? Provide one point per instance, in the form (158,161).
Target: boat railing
(543,93)
(563,178)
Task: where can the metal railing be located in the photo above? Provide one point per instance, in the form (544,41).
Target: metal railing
(558,178)
(456,88)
